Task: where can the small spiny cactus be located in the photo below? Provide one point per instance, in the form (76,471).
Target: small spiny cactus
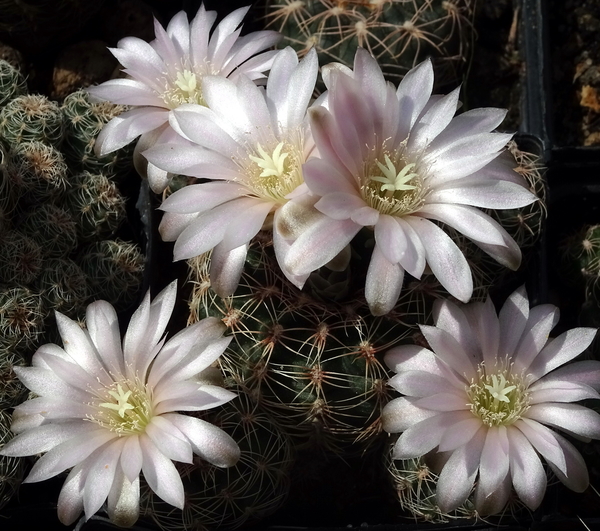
(12,82)
(12,469)
(12,391)
(21,258)
(52,227)
(21,319)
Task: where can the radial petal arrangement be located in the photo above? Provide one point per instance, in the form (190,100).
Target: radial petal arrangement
(110,409)
(251,145)
(168,72)
(490,393)
(399,161)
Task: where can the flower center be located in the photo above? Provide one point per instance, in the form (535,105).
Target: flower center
(393,185)
(124,408)
(498,398)
(186,88)
(274,173)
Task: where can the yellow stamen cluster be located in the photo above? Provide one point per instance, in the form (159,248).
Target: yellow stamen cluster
(498,398)
(124,408)
(186,88)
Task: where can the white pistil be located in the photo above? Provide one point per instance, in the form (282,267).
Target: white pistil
(498,389)
(122,398)
(187,82)
(393,180)
(272,165)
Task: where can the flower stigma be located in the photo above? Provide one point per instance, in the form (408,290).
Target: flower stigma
(499,398)
(185,89)
(126,408)
(275,173)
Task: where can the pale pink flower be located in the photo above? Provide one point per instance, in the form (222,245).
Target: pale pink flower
(392,160)
(484,396)
(111,410)
(251,144)
(168,72)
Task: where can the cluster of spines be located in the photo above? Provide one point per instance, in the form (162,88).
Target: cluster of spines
(398,34)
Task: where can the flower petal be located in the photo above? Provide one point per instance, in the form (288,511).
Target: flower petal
(383,283)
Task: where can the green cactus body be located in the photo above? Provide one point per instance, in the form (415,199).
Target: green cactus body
(64,287)
(96,205)
(38,171)
(12,469)
(12,82)
(12,391)
(21,259)
(21,319)
(398,34)
(83,121)
(228,498)
(580,261)
(316,366)
(114,269)
(51,227)
(31,117)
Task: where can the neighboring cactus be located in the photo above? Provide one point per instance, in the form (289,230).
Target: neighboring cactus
(83,121)
(21,319)
(581,261)
(398,34)
(21,259)
(96,205)
(12,391)
(114,269)
(12,469)
(64,287)
(31,117)
(38,171)
(227,498)
(12,82)
(51,227)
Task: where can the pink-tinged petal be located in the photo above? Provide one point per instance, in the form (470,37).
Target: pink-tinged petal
(126,127)
(285,64)
(131,458)
(585,372)
(44,382)
(460,168)
(495,502)
(225,28)
(169,440)
(365,216)
(494,464)
(413,93)
(400,414)
(483,194)
(199,32)
(369,77)
(320,243)
(161,474)
(450,351)
(202,197)
(50,349)
(576,477)
(544,440)
(412,358)
(44,438)
(200,125)
(192,397)
(240,62)
(433,122)
(512,318)
(486,328)
(53,408)
(469,123)
(450,401)
(420,384)
(383,283)
(467,220)
(390,238)
(209,228)
(71,373)
(458,475)
(526,470)
(178,31)
(128,92)
(226,268)
(172,225)
(413,259)
(103,326)
(209,442)
(560,350)
(123,504)
(323,178)
(166,49)
(69,453)
(452,319)
(542,319)
(423,437)
(460,433)
(508,254)
(70,499)
(137,55)
(253,67)
(445,259)
(245,225)
(100,476)
(79,347)
(572,418)
(560,391)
